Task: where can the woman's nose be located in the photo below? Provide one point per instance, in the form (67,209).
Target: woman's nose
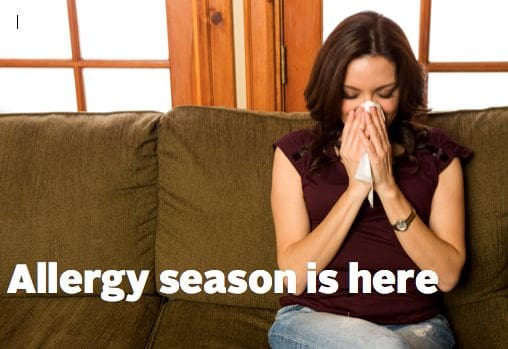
(368,97)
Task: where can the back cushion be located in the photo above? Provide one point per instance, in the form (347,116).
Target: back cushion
(477,306)
(215,178)
(78,189)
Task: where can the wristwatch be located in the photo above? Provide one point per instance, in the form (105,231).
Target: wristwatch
(403,224)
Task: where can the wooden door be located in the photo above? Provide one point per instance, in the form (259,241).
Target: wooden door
(302,37)
(201,51)
(282,38)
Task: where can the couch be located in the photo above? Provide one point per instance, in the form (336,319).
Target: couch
(190,190)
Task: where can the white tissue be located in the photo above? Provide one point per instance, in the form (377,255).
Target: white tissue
(364,171)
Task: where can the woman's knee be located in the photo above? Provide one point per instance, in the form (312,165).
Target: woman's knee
(434,333)
(287,331)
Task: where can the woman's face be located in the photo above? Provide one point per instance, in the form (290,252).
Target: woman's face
(371,78)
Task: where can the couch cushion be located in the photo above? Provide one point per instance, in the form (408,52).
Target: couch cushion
(185,324)
(483,289)
(76,322)
(78,189)
(214,196)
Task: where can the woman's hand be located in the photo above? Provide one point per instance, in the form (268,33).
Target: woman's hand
(374,138)
(351,149)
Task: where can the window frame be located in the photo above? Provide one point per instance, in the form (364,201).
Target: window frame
(442,66)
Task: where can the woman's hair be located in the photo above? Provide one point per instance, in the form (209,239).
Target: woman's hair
(365,33)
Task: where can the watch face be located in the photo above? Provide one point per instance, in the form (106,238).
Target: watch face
(401,225)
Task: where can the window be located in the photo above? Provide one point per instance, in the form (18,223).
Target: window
(460,43)
(468,54)
(86,55)
(101,55)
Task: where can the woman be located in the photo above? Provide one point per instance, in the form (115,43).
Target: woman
(320,209)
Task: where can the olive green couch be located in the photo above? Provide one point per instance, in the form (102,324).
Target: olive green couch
(185,190)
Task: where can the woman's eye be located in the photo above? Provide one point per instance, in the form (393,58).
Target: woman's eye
(388,94)
(346,96)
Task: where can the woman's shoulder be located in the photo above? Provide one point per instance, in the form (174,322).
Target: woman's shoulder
(435,135)
(441,146)
(295,141)
(295,145)
(300,136)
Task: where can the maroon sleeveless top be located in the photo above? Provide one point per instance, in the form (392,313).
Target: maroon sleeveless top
(371,240)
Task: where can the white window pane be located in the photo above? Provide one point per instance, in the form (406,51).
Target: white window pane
(41,29)
(450,91)
(122,29)
(405,13)
(37,90)
(465,30)
(127,89)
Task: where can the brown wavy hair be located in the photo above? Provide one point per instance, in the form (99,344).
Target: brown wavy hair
(365,33)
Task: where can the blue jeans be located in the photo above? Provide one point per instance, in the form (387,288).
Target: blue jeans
(297,326)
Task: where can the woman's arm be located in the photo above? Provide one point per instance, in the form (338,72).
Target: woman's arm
(296,244)
(439,247)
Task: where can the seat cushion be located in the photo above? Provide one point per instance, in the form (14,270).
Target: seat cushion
(481,324)
(76,322)
(80,190)
(187,324)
